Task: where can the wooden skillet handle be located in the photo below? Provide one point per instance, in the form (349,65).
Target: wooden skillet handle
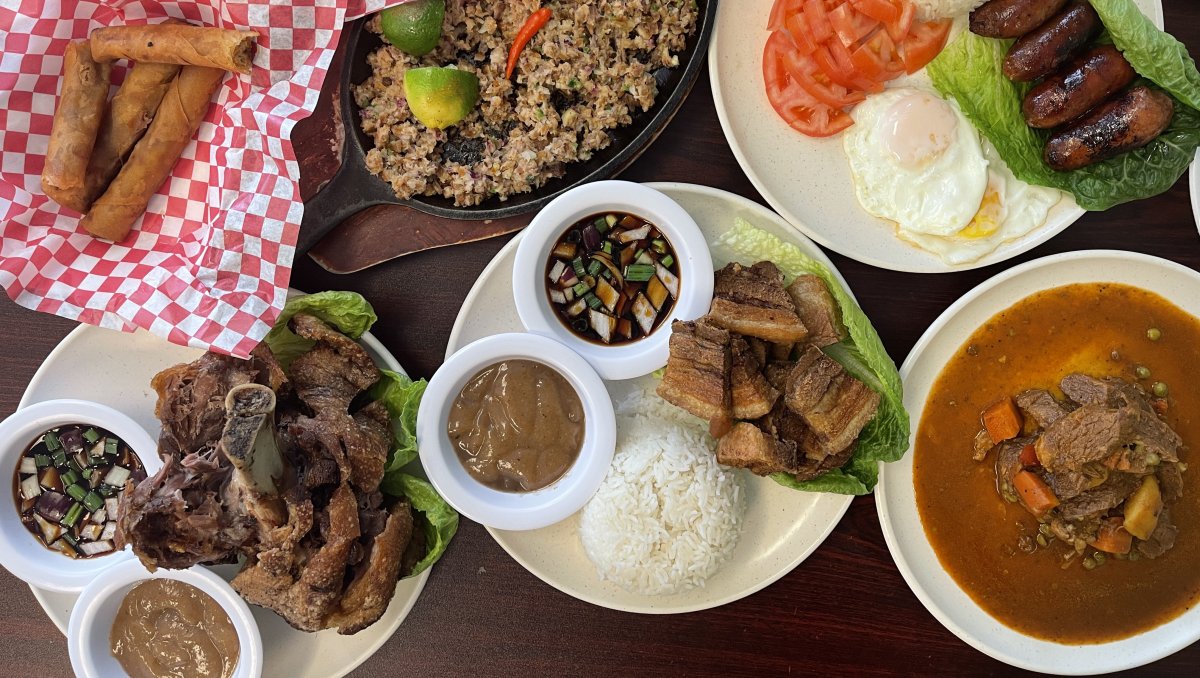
(384,232)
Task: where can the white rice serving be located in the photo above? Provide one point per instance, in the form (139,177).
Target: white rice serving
(667,516)
(944,9)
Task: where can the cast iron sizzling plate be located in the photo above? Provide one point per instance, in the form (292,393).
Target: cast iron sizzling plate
(354,187)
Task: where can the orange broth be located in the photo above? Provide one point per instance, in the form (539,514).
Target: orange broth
(1099,329)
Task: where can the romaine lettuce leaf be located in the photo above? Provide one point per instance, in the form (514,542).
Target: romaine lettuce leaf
(969,70)
(349,312)
(438,520)
(863,355)
(401,396)
(1155,55)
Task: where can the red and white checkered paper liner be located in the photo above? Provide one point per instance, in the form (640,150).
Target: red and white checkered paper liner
(209,263)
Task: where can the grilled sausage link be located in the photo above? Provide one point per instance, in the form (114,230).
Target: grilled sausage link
(1052,44)
(1012,18)
(1125,123)
(1073,91)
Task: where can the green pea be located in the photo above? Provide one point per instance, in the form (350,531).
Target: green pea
(1154,334)
(1159,389)
(1041,540)
(1142,372)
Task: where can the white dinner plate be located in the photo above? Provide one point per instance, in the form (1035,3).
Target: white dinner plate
(781,527)
(895,494)
(115,368)
(1194,180)
(808,180)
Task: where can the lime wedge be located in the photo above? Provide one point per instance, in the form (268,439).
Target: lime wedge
(440,97)
(414,27)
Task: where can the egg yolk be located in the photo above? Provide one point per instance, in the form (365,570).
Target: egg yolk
(918,128)
(990,215)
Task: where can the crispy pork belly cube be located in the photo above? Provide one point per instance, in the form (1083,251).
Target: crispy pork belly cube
(752,396)
(697,374)
(835,405)
(747,446)
(752,301)
(817,310)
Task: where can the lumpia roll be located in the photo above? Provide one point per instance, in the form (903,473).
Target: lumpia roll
(129,114)
(182,44)
(76,123)
(175,123)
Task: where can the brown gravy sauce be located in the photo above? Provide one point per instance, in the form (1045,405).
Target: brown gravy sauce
(517,426)
(169,629)
(1033,344)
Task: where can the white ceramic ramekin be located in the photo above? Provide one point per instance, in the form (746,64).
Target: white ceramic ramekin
(21,552)
(636,358)
(516,510)
(94,612)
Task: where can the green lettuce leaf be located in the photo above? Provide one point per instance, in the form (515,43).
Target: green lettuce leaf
(863,355)
(349,312)
(401,396)
(969,71)
(439,521)
(1155,55)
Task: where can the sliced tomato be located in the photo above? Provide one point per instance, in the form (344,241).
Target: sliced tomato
(851,26)
(811,117)
(924,42)
(899,28)
(874,58)
(774,75)
(804,72)
(883,11)
(798,28)
(818,20)
(780,11)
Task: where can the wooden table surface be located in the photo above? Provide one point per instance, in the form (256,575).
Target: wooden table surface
(844,611)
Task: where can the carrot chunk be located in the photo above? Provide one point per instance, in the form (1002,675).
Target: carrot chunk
(1034,492)
(1112,537)
(1002,420)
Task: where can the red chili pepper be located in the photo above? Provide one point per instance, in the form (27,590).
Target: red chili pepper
(532,25)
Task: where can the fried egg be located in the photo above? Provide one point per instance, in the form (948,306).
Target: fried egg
(916,161)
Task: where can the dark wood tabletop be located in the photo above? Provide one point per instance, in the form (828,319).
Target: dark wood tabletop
(844,611)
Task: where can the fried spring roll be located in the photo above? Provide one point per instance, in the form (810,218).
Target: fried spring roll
(175,123)
(76,123)
(172,43)
(129,114)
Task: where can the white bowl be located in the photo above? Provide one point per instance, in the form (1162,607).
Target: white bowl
(636,358)
(895,496)
(21,552)
(92,618)
(516,510)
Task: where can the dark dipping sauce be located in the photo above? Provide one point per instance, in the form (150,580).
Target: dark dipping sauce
(66,485)
(517,426)
(1033,344)
(612,278)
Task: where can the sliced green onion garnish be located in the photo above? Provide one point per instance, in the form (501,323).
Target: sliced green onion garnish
(72,516)
(75,466)
(639,272)
(70,477)
(76,491)
(92,501)
(42,460)
(70,539)
(606,247)
(110,446)
(659,246)
(107,490)
(667,261)
(601,225)
(90,435)
(610,220)
(59,457)
(592,300)
(51,440)
(577,264)
(581,288)
(594,267)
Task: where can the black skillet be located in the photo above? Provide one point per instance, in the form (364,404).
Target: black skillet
(354,187)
